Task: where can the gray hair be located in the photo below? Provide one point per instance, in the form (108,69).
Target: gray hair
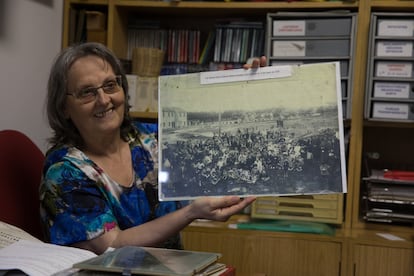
(64,131)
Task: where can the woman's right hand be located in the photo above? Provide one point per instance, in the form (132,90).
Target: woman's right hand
(256,62)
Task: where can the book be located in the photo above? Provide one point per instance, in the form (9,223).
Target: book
(21,251)
(208,46)
(151,261)
(218,269)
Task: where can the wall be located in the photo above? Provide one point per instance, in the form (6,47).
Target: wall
(30,38)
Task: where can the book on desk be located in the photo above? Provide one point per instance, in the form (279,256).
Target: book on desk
(132,260)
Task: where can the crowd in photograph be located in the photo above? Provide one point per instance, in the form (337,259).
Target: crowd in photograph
(250,160)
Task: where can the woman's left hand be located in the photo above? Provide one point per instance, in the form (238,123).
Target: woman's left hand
(219,208)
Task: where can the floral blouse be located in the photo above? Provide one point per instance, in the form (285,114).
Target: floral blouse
(79,201)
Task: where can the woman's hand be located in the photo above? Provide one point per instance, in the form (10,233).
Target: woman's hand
(219,208)
(252,63)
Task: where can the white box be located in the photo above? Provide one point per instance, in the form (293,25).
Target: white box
(289,48)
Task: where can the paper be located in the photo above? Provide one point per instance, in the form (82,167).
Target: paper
(395,49)
(394,69)
(273,72)
(390,237)
(289,48)
(273,136)
(395,27)
(289,28)
(391,110)
(392,90)
(39,258)
(10,234)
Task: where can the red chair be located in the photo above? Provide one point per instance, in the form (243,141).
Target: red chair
(21,163)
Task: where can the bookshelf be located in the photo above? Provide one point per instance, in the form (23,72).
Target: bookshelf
(356,240)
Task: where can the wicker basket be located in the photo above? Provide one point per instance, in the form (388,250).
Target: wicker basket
(147,62)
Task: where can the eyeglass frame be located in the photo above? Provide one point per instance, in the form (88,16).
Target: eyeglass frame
(94,90)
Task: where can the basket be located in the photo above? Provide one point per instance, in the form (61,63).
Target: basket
(147,62)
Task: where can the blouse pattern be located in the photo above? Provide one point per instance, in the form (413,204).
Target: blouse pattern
(79,201)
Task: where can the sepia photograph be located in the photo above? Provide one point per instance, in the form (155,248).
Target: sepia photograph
(281,135)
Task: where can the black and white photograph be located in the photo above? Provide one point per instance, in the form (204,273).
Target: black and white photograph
(277,136)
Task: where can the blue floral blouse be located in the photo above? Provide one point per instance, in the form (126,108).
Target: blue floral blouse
(80,202)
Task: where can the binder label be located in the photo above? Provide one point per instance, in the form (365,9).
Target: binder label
(394,49)
(390,110)
(394,69)
(395,27)
(289,28)
(289,48)
(391,90)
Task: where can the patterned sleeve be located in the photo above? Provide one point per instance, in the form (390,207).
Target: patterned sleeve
(74,208)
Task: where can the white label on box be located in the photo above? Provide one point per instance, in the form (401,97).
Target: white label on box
(391,90)
(394,69)
(395,27)
(390,111)
(289,48)
(132,89)
(146,87)
(289,28)
(394,49)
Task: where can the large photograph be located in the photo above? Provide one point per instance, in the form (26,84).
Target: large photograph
(275,130)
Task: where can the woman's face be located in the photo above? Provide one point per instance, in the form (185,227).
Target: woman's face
(103,115)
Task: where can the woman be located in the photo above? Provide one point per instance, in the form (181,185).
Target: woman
(99,186)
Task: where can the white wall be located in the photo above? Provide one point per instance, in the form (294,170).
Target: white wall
(30,38)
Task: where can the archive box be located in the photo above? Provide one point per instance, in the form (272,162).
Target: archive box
(389,92)
(326,208)
(312,37)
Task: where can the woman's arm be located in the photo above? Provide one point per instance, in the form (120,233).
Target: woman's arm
(156,231)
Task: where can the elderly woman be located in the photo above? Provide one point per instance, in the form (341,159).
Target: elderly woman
(99,186)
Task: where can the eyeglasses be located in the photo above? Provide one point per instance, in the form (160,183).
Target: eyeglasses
(89,94)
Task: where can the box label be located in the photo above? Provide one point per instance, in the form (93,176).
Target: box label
(391,90)
(390,111)
(395,27)
(394,69)
(289,28)
(289,48)
(394,49)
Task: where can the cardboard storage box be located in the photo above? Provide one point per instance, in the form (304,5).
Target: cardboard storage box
(95,20)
